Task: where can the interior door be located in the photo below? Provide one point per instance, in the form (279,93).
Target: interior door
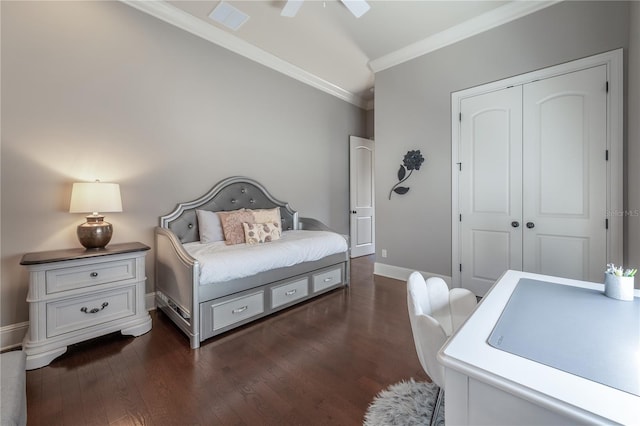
(565,175)
(490,194)
(361,196)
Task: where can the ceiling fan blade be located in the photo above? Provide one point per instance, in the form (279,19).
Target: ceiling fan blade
(357,7)
(291,8)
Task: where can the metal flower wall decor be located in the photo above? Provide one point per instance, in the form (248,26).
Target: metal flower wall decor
(412,161)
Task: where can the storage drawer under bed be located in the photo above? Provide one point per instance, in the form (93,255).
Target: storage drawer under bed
(216,315)
(327,279)
(289,292)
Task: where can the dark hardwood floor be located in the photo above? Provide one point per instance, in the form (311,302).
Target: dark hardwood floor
(319,363)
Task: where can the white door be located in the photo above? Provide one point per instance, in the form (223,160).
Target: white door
(490,179)
(565,175)
(533,180)
(361,196)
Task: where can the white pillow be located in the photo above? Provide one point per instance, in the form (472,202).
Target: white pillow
(209,227)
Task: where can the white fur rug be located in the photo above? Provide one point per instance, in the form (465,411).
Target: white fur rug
(406,403)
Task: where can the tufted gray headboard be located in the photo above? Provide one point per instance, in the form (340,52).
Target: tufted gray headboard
(229,194)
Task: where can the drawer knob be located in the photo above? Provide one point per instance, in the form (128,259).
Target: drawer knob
(291,292)
(239,310)
(94,310)
(93,274)
(326,280)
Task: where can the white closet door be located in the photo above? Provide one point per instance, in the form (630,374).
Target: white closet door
(490,187)
(564,174)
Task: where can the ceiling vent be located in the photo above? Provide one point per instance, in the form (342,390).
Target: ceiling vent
(291,8)
(228,16)
(356,7)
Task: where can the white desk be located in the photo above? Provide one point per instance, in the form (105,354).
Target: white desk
(485,385)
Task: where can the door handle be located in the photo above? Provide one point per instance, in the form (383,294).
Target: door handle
(515,224)
(354,212)
(531,225)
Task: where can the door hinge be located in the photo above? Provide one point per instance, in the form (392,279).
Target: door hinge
(606,224)
(460,116)
(607,87)
(460,219)
(459,166)
(606,155)
(461,267)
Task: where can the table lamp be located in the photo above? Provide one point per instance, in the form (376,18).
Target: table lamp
(94,197)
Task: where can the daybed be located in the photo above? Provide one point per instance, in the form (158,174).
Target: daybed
(208,288)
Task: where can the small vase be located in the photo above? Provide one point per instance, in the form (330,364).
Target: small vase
(620,288)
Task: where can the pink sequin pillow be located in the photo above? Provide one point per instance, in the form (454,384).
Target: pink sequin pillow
(232,225)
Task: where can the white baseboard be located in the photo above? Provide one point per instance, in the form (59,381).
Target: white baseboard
(402,274)
(150,301)
(11,336)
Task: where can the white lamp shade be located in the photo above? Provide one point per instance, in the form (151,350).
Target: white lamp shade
(95,197)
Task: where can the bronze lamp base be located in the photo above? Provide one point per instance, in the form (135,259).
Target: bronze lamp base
(95,233)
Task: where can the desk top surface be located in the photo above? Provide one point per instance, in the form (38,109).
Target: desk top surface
(574,329)
(468,351)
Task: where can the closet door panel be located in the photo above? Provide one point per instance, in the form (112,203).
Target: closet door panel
(573,261)
(564,175)
(490,187)
(563,166)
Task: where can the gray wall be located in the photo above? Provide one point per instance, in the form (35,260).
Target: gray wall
(633,151)
(413,108)
(100,90)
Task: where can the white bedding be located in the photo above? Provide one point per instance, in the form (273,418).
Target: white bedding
(220,262)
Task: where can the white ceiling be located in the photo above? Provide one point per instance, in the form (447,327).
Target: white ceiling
(325,46)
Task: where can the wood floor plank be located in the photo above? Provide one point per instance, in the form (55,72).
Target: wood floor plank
(318,363)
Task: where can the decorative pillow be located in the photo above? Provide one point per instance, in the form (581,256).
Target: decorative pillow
(266,215)
(232,225)
(256,233)
(209,227)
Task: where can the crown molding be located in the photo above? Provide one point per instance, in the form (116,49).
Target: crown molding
(179,18)
(474,26)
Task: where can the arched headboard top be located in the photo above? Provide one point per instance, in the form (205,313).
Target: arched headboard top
(229,194)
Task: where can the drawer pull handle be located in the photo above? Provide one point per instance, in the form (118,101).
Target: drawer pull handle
(291,292)
(326,280)
(239,310)
(93,274)
(94,310)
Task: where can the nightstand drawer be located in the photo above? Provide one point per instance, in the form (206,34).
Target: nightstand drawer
(236,310)
(64,316)
(327,279)
(285,293)
(70,278)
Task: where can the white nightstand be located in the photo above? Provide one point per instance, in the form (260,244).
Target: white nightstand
(79,294)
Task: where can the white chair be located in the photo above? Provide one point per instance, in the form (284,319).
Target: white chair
(435,313)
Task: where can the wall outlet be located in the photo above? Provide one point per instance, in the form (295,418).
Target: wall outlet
(384,252)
